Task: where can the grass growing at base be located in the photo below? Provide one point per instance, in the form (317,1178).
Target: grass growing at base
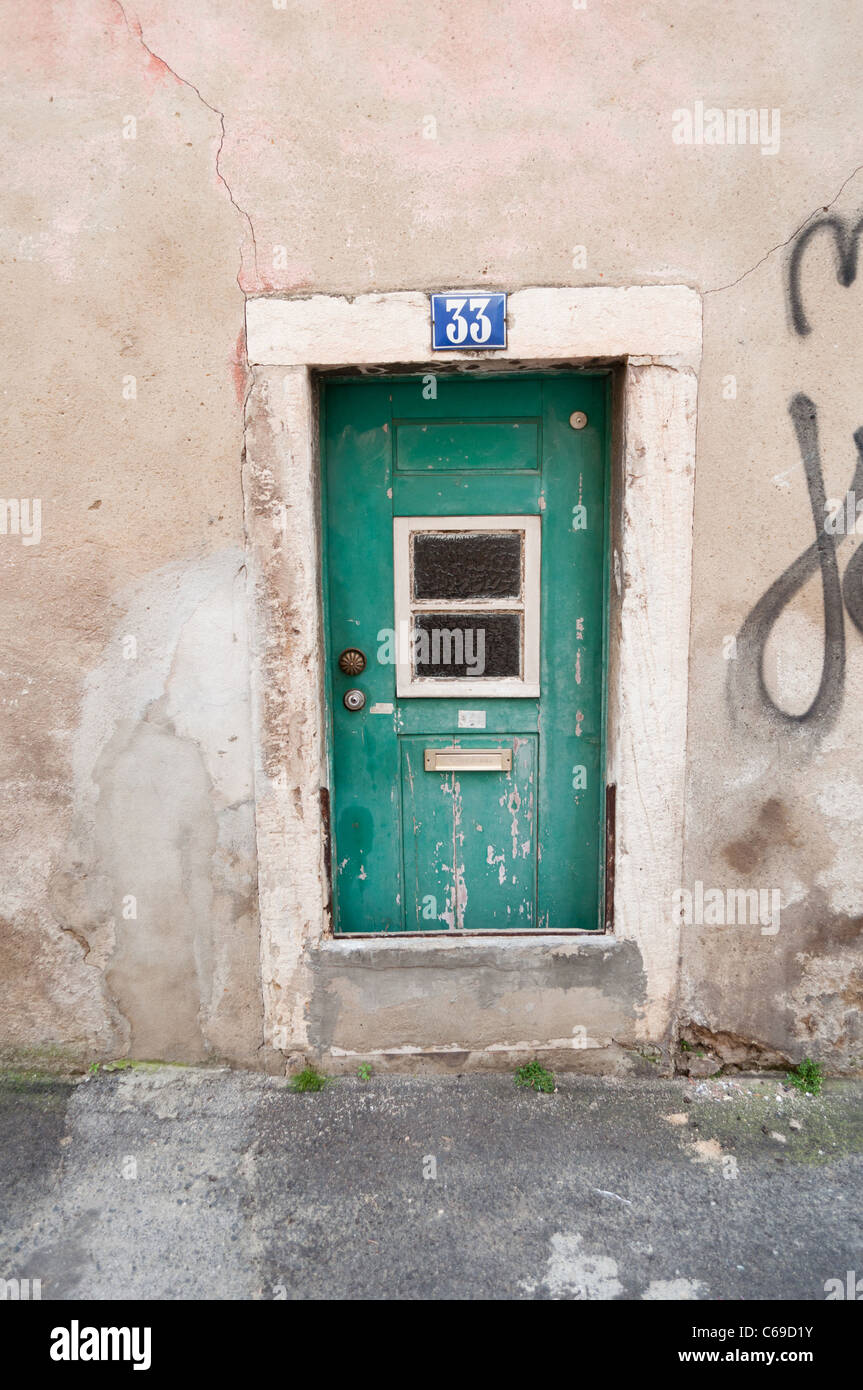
(534,1075)
(309,1080)
(808,1077)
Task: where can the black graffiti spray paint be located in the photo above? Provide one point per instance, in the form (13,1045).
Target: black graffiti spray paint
(852,584)
(748,673)
(748,691)
(845,248)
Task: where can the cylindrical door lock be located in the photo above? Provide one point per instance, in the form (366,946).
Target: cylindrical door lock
(354,700)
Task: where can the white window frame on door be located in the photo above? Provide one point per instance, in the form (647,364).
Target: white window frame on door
(408,684)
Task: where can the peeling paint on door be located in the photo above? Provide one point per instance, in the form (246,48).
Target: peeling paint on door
(465,845)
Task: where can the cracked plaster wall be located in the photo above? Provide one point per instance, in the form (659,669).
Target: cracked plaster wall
(284,150)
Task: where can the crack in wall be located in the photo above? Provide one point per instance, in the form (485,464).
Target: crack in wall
(135,30)
(780,245)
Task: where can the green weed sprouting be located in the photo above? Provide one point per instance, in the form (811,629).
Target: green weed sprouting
(309,1080)
(536,1076)
(808,1077)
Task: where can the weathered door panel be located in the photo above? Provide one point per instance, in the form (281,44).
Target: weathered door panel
(470,839)
(407,850)
(574,571)
(365,810)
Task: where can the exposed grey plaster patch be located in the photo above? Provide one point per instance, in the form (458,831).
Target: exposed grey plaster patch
(156,826)
(188,623)
(161,877)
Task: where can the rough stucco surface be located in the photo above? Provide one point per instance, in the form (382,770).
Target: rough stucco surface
(284,150)
(509,998)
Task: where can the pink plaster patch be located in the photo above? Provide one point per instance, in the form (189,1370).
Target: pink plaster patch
(239,368)
(156,70)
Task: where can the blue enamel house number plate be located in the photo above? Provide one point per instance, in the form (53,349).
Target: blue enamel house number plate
(468,319)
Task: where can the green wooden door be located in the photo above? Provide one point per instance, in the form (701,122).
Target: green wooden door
(465,556)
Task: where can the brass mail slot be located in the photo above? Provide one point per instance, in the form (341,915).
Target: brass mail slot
(468,760)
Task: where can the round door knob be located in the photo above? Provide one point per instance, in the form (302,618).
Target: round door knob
(354,700)
(352,661)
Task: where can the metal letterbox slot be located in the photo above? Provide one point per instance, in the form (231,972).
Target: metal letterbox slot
(468,760)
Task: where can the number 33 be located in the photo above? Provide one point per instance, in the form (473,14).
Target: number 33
(459,329)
